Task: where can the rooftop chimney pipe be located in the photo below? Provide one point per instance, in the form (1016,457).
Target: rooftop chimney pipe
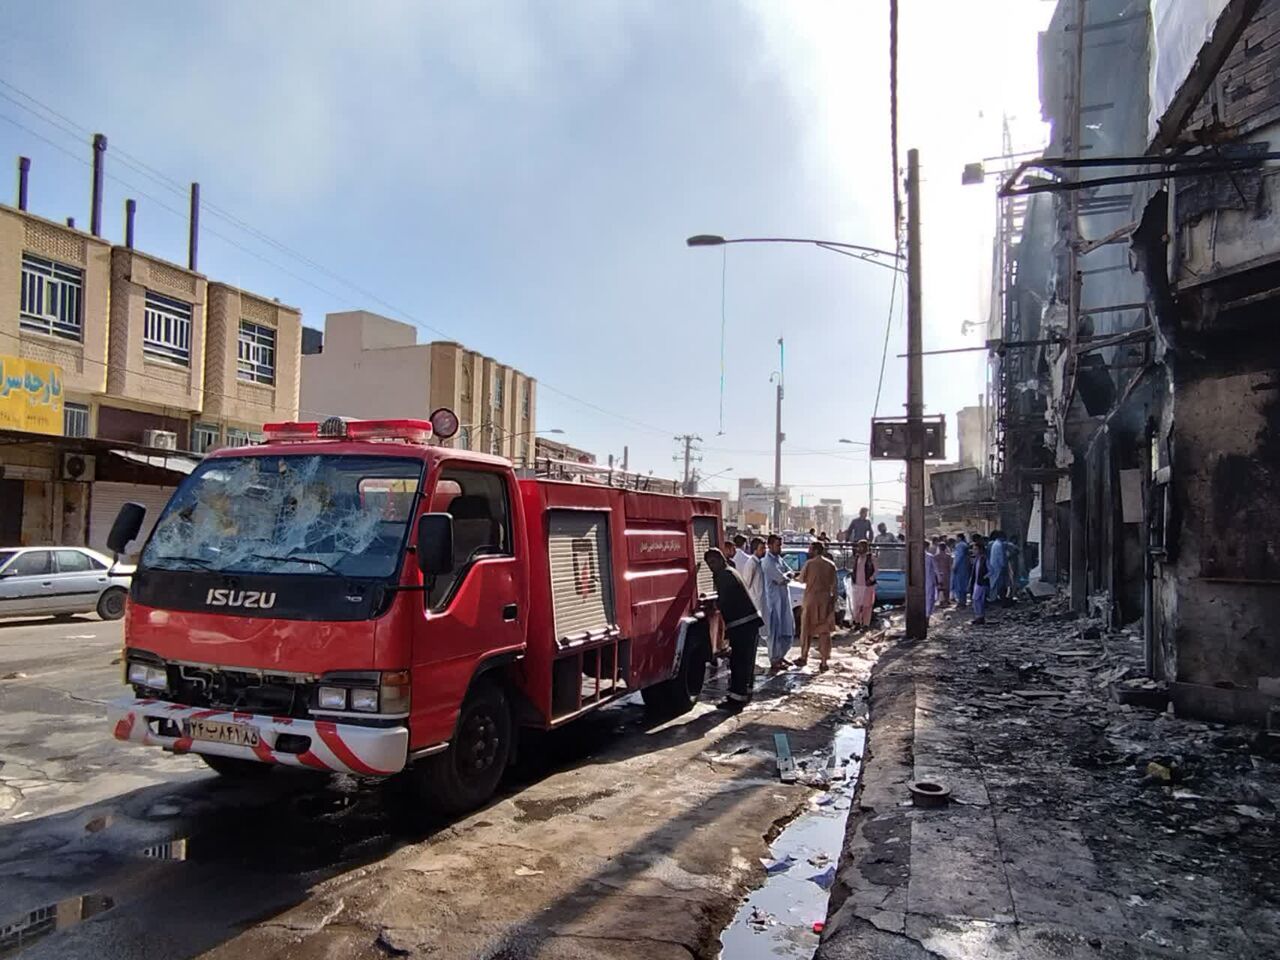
(24,168)
(193,242)
(95,211)
(71,222)
(130,208)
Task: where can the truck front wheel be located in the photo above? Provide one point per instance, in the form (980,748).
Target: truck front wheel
(466,775)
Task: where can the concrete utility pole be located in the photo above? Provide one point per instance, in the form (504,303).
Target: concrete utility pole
(917,622)
(779,436)
(688,439)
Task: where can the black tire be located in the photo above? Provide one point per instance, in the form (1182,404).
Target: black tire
(466,775)
(677,695)
(111,603)
(236,768)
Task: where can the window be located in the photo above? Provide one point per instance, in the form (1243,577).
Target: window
(464,438)
(256,353)
(239,438)
(314,514)
(526,401)
(51,295)
(466,382)
(478,502)
(73,561)
(497,391)
(205,437)
(75,420)
(166,330)
(495,447)
(6,556)
(33,563)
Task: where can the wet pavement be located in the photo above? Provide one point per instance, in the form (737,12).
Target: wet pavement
(596,826)
(784,916)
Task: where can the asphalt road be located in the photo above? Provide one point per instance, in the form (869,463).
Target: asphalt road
(622,836)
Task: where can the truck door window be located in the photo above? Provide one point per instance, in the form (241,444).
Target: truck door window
(478,502)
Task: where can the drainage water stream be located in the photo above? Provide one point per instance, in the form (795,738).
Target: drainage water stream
(777,919)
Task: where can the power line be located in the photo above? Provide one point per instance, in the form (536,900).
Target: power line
(155,175)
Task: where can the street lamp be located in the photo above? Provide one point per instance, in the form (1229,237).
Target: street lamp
(916,623)
(855,250)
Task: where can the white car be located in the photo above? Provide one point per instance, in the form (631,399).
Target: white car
(59,581)
(795,557)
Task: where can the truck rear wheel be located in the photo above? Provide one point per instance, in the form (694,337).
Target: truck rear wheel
(466,775)
(677,695)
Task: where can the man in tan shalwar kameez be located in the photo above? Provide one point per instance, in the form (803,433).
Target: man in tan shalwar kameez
(818,611)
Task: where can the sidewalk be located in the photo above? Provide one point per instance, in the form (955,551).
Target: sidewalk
(1058,841)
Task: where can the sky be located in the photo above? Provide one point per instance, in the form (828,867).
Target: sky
(521,176)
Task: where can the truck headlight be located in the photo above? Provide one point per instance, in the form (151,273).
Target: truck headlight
(332,698)
(365,700)
(145,675)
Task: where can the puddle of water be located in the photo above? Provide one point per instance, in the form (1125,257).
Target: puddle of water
(23,932)
(537,811)
(777,918)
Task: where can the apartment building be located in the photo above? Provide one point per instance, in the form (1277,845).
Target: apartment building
(371,366)
(119,368)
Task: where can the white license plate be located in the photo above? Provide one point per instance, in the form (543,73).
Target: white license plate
(240,734)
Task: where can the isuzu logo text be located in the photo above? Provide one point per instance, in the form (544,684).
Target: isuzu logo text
(248,599)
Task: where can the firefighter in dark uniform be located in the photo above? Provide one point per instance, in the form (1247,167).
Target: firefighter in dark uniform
(742,622)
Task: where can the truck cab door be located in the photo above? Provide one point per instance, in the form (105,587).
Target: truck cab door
(477,610)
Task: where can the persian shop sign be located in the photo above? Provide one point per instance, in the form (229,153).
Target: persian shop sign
(30,395)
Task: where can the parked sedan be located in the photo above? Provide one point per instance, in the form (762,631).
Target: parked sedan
(57,581)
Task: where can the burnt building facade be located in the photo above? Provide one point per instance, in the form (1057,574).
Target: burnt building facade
(1142,435)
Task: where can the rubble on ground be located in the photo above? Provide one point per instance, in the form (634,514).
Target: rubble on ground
(1080,804)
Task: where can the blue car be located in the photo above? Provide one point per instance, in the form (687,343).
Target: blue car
(891,572)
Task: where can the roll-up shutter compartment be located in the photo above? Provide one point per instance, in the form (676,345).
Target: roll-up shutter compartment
(704,538)
(106,499)
(581,573)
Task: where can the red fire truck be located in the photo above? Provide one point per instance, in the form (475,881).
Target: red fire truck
(348,597)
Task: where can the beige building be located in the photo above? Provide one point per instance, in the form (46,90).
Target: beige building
(370,366)
(127,363)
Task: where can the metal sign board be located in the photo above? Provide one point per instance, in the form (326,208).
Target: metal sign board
(890,438)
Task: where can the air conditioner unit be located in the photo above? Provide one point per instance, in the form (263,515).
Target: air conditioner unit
(160,439)
(77,467)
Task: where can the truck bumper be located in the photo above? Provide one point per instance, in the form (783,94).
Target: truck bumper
(314,744)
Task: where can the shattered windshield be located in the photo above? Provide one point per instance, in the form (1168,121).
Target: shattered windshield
(289,514)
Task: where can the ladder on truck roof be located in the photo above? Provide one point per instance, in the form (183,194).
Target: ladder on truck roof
(545,468)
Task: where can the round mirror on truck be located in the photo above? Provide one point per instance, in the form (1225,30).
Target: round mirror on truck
(444,423)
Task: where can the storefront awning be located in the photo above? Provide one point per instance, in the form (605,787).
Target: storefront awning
(173,462)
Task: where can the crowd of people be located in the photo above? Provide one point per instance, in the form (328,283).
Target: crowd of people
(751,579)
(978,570)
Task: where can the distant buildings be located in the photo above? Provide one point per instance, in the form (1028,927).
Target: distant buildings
(371,366)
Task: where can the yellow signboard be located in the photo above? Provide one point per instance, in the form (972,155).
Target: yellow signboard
(30,395)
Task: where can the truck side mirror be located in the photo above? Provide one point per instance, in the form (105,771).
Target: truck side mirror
(435,544)
(127,525)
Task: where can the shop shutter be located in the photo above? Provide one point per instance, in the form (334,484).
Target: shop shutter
(107,497)
(581,571)
(704,538)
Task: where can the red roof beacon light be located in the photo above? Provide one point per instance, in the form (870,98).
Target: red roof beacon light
(444,423)
(289,432)
(410,431)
